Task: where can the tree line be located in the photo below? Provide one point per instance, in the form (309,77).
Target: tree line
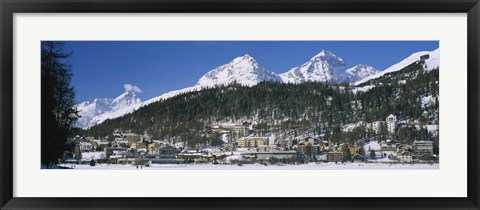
(289,109)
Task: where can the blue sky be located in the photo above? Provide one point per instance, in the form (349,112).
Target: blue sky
(101,68)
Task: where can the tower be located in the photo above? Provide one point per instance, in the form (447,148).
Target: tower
(391,123)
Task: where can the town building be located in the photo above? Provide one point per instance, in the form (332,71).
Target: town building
(235,131)
(334,157)
(86,147)
(114,151)
(248,128)
(403,147)
(310,150)
(132,137)
(252,141)
(167,152)
(389,145)
(120,143)
(153,148)
(391,123)
(377,126)
(99,145)
(307,140)
(324,146)
(138,145)
(267,155)
(405,157)
(265,148)
(350,148)
(423,147)
(271,141)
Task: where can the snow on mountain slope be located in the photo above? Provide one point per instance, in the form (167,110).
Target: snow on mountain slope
(323,67)
(129,109)
(430,63)
(243,70)
(434,60)
(126,99)
(89,110)
(100,106)
(359,72)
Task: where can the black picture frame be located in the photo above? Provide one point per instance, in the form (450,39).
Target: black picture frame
(10,7)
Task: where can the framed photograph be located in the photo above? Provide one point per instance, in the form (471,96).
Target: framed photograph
(239,105)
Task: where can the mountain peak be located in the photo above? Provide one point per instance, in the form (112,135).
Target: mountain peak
(361,65)
(128,98)
(326,54)
(244,70)
(247,56)
(359,72)
(245,59)
(323,53)
(329,58)
(89,110)
(323,67)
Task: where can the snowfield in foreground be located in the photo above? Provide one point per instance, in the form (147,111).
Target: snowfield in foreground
(310,166)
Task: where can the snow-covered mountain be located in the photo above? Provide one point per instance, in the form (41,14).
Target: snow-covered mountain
(323,67)
(243,70)
(90,110)
(431,63)
(358,72)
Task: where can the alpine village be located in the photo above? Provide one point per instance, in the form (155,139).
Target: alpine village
(239,114)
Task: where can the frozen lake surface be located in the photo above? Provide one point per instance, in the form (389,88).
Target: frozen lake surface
(310,166)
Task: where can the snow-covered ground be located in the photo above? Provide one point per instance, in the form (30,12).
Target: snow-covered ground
(310,166)
(427,101)
(365,88)
(372,145)
(87,156)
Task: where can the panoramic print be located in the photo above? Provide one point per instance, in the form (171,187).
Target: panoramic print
(235,105)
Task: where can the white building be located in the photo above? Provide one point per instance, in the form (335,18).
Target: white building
(377,126)
(391,123)
(271,141)
(86,146)
(423,147)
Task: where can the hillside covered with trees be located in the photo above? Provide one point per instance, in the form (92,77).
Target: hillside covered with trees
(288,110)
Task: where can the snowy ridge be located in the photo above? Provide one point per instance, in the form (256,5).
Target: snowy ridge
(434,60)
(323,67)
(129,109)
(431,63)
(243,70)
(100,106)
(88,110)
(360,71)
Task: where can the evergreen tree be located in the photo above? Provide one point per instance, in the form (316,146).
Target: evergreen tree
(346,152)
(372,154)
(361,151)
(57,114)
(290,110)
